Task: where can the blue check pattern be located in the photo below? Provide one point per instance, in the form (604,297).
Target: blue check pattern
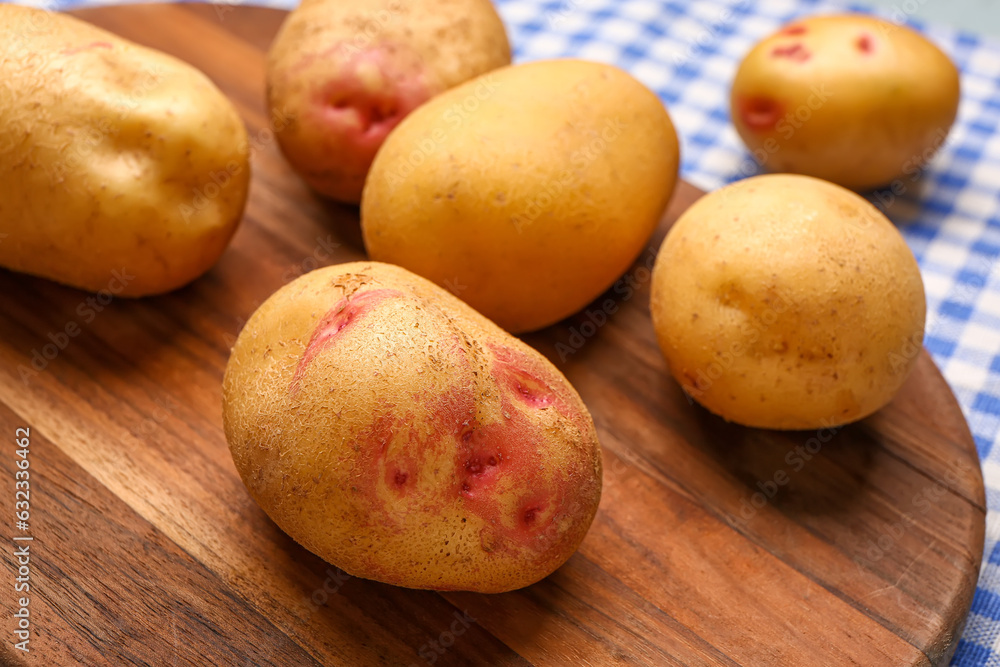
(688,52)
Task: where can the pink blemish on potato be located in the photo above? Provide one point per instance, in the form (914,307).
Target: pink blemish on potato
(532,382)
(794,30)
(402,468)
(86,47)
(388,457)
(500,454)
(499,471)
(395,449)
(529,514)
(797,52)
(373,114)
(373,442)
(380,433)
(533,392)
(760,113)
(342,317)
(865,44)
(481,469)
(363,116)
(495,455)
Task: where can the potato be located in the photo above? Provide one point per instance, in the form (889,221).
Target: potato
(347,71)
(851,99)
(121,168)
(403,437)
(787,302)
(528,191)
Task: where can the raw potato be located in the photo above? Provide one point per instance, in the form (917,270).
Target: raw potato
(851,99)
(398,434)
(526,192)
(121,168)
(347,71)
(787,302)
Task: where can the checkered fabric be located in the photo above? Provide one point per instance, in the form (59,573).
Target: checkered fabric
(688,52)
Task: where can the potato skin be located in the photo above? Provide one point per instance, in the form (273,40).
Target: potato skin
(787,302)
(107,153)
(346,72)
(528,191)
(395,432)
(848,98)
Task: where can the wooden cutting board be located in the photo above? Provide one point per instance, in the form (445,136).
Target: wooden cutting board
(714,544)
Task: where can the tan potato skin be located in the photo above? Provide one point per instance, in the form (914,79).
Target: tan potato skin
(787,302)
(848,98)
(345,72)
(528,191)
(395,432)
(107,150)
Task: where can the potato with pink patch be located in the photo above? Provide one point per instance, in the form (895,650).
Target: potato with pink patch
(850,99)
(346,73)
(403,437)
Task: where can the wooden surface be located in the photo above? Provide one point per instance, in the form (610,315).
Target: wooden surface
(148,550)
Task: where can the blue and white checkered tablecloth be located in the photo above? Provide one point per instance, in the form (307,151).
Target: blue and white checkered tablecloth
(688,52)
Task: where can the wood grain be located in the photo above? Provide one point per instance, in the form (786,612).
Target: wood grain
(149,551)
